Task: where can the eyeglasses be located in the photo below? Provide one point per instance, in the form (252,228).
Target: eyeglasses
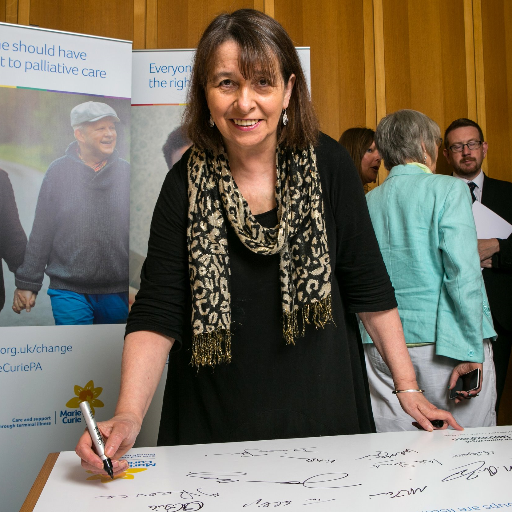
(472,144)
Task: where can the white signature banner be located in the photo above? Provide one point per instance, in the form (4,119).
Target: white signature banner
(443,471)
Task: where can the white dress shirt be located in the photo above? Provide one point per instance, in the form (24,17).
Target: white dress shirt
(478,181)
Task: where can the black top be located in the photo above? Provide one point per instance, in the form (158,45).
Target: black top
(497,196)
(269,390)
(80,233)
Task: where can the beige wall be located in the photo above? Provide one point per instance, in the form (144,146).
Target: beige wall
(446,58)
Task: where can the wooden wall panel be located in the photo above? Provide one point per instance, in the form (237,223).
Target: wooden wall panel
(23,12)
(2,10)
(11,11)
(335,33)
(181,22)
(425,60)
(497,63)
(369,64)
(95,17)
(351,66)
(151,24)
(456,74)
(289,14)
(139,24)
(470,58)
(397,56)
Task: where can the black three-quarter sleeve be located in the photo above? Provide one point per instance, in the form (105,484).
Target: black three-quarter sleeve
(359,267)
(162,303)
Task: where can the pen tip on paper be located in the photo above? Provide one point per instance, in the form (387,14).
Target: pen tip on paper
(107,464)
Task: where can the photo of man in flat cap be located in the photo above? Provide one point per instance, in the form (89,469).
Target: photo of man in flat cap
(80,233)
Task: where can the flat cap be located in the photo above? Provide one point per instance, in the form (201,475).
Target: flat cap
(91,111)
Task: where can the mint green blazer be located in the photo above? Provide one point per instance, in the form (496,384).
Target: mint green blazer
(427,236)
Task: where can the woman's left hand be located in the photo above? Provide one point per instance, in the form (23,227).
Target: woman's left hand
(385,329)
(417,406)
(460,370)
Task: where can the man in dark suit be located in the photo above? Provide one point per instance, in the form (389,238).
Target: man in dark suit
(465,151)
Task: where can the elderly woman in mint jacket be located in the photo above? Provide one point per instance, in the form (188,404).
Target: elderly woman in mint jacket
(426,233)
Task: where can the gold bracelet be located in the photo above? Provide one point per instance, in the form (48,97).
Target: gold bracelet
(396,391)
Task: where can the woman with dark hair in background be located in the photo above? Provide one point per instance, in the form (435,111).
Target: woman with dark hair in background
(427,237)
(260,244)
(360,144)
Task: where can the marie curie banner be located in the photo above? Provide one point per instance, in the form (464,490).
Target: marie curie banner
(162,77)
(60,61)
(44,374)
(64,196)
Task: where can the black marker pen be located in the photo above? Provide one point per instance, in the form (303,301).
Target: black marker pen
(97,438)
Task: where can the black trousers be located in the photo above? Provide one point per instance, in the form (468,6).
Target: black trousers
(501,349)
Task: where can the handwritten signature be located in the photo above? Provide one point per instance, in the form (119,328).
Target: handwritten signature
(193,506)
(401,493)
(183,495)
(321,481)
(406,464)
(261,503)
(285,454)
(312,459)
(476,454)
(386,455)
(256,452)
(472,470)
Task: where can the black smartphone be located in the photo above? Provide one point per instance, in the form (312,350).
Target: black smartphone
(467,382)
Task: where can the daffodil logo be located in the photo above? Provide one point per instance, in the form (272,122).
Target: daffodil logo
(88,393)
(125,475)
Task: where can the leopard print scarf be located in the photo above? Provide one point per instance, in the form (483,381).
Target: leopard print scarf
(299,238)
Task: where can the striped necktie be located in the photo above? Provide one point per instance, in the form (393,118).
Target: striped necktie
(472,187)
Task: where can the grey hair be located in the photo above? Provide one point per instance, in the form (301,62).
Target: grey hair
(399,136)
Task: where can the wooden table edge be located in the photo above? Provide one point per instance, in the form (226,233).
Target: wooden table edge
(39,483)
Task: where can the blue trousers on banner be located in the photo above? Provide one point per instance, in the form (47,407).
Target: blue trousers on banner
(71,308)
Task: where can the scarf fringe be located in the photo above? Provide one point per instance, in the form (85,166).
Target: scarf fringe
(212,348)
(319,314)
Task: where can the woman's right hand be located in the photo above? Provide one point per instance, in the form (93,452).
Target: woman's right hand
(460,370)
(144,357)
(119,433)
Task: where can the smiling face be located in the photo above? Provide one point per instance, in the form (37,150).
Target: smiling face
(97,140)
(245,111)
(468,162)
(370,164)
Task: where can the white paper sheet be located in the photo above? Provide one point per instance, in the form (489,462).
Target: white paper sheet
(444,471)
(489,224)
